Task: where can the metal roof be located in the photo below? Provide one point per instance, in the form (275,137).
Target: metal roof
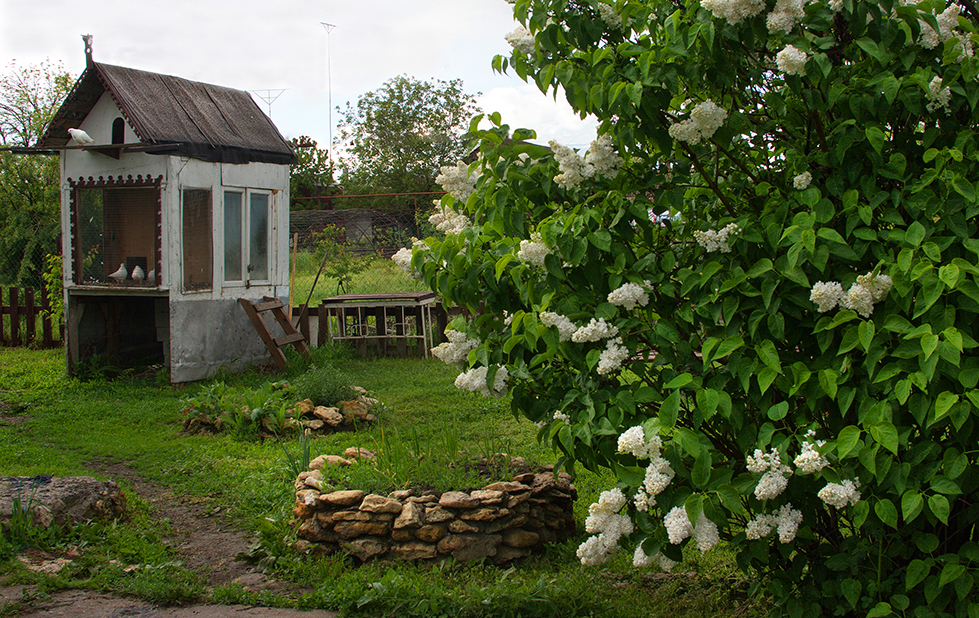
(181,117)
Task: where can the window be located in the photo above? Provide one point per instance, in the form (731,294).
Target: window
(118,131)
(113,227)
(246,236)
(197,239)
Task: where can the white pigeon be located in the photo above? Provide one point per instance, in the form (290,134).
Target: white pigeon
(138,274)
(121,274)
(151,278)
(80,137)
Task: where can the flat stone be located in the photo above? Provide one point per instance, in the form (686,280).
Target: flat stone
(484,514)
(466,547)
(305,406)
(437,514)
(458,500)
(412,516)
(515,537)
(347,497)
(402,535)
(516,499)
(354,529)
(487,497)
(412,551)
(330,416)
(401,494)
(307,497)
(430,533)
(423,499)
(460,527)
(506,554)
(61,500)
(374,503)
(351,516)
(508,486)
(324,461)
(353,410)
(366,548)
(314,425)
(355,452)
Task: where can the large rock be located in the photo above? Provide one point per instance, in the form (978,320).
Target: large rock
(60,500)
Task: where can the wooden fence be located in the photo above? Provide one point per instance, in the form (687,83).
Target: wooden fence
(25,311)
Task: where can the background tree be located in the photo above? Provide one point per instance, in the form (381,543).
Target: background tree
(312,176)
(398,136)
(29,184)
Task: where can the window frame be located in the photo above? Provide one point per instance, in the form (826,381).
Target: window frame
(245,245)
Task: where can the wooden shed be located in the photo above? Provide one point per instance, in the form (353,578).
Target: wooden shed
(186,190)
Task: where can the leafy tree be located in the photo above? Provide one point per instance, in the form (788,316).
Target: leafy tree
(755,297)
(29,185)
(398,136)
(312,176)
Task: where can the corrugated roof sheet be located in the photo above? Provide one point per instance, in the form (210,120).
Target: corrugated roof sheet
(199,120)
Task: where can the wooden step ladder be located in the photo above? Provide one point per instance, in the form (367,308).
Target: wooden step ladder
(274,344)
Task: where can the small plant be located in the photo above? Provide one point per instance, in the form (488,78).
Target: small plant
(299,462)
(53,286)
(324,386)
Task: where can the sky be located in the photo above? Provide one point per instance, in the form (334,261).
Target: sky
(264,46)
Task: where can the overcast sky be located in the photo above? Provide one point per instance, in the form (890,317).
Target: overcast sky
(266,45)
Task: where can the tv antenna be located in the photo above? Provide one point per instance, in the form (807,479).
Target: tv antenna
(269,96)
(329,90)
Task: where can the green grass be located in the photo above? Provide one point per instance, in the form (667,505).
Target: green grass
(73,427)
(381,277)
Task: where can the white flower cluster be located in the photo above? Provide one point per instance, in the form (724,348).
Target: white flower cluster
(861,296)
(533,250)
(786,15)
(929,38)
(447,220)
(640,559)
(841,494)
(678,528)
(474,380)
(402,258)
(792,60)
(457,180)
(604,521)
(612,357)
(629,295)
(600,160)
(706,118)
(937,96)
(565,327)
(773,480)
(612,19)
(596,330)
(810,461)
(786,520)
(659,473)
(801,182)
(633,441)
(561,416)
(712,240)
(522,40)
(456,350)
(734,11)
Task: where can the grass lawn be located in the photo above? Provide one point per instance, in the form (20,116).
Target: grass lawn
(68,427)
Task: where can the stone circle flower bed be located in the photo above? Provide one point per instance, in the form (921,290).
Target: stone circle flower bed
(501,522)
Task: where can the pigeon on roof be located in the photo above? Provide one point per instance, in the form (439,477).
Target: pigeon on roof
(80,137)
(121,274)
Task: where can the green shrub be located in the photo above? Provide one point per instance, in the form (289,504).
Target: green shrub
(323,385)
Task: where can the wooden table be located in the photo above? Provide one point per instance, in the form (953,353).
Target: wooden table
(389,321)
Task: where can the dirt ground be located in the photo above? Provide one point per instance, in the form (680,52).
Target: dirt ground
(205,543)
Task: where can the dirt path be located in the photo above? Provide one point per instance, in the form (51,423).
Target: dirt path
(205,543)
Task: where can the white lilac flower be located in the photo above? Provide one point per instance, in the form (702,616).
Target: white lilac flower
(561,416)
(826,295)
(570,165)
(447,220)
(632,441)
(612,19)
(628,295)
(457,180)
(403,259)
(835,5)
(597,550)
(760,461)
(522,40)
(705,534)
(705,118)
(604,521)
(792,60)
(773,481)
(474,380)
(677,525)
(455,351)
(801,182)
(810,461)
(947,20)
(880,287)
(533,250)
(787,522)
(786,15)
(566,328)
(612,356)
(760,527)
(771,485)
(640,559)
(611,500)
(643,501)
(595,330)
(659,473)
(734,11)
(860,299)
(937,96)
(712,240)
(601,159)
(840,494)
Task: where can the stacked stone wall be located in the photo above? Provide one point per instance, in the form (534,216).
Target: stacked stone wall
(502,522)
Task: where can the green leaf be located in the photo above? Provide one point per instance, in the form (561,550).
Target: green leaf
(669,410)
(950,572)
(851,590)
(885,434)
(702,467)
(769,355)
(911,505)
(915,234)
(681,380)
(917,571)
(867,332)
(778,411)
(886,511)
(827,380)
(707,400)
(943,403)
(876,138)
(939,507)
(847,440)
(880,610)
(601,239)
